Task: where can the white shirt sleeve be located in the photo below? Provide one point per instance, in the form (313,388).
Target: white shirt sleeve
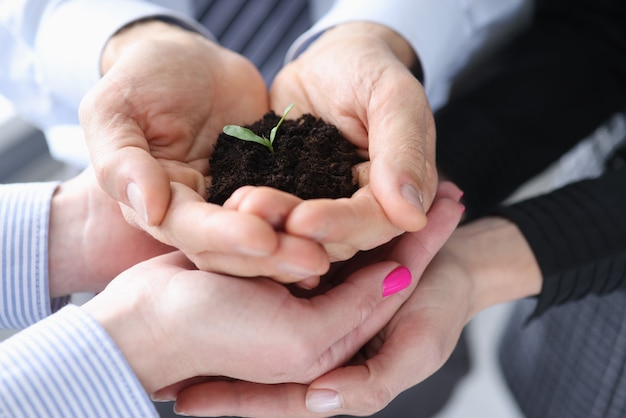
(24,220)
(444,33)
(51,56)
(68,366)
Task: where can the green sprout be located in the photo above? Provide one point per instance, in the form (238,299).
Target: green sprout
(247,135)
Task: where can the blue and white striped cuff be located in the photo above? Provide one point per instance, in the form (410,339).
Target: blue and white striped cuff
(67,366)
(24,223)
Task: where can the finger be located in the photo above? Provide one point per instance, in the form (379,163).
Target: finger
(361,173)
(268,203)
(133,177)
(170,393)
(121,157)
(365,301)
(414,348)
(244,399)
(414,249)
(367,388)
(364,389)
(413,351)
(294,260)
(449,190)
(358,221)
(443,217)
(195,226)
(236,243)
(276,206)
(182,173)
(355,390)
(402,150)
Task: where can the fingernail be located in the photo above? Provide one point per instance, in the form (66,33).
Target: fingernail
(413,196)
(323,400)
(398,279)
(308,283)
(179,412)
(252,252)
(157,398)
(295,271)
(133,193)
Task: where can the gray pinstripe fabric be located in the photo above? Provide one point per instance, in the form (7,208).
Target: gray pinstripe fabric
(261,30)
(569,363)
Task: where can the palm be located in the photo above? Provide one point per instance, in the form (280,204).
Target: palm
(181,105)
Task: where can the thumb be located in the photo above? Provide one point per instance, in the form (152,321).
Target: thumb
(403,175)
(133,177)
(360,390)
(120,154)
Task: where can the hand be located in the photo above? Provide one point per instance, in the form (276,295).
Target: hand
(356,76)
(484,263)
(349,389)
(89,240)
(150,125)
(173,322)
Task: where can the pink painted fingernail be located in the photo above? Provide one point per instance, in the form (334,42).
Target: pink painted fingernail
(398,279)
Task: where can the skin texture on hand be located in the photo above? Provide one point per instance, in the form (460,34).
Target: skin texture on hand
(356,77)
(89,240)
(484,263)
(173,322)
(151,124)
(357,391)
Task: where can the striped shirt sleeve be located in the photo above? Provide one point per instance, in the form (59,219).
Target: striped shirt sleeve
(67,366)
(24,216)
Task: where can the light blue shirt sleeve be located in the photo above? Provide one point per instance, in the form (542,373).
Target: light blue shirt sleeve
(67,366)
(51,57)
(444,33)
(24,220)
(60,365)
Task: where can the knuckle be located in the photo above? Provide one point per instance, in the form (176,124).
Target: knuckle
(376,399)
(367,305)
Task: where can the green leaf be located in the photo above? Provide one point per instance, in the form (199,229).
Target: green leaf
(246,134)
(280,122)
(242,133)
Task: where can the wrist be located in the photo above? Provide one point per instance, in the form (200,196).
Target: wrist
(142,31)
(123,319)
(397,44)
(501,264)
(65,262)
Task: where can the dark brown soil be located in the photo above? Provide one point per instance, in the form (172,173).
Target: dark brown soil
(311,160)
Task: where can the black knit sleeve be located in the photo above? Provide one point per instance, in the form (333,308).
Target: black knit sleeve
(578,236)
(529,104)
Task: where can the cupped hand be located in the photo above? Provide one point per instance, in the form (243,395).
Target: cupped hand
(151,123)
(427,324)
(223,240)
(173,322)
(356,76)
(344,226)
